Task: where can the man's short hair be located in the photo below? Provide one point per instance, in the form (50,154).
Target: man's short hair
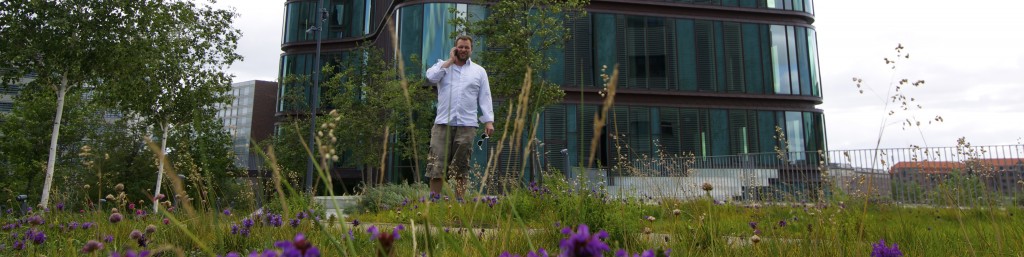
(464,37)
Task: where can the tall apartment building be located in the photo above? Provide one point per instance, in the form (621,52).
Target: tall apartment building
(249,119)
(707,77)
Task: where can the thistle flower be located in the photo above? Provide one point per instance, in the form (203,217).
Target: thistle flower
(676,212)
(386,240)
(130,253)
(167,221)
(707,187)
(36,220)
(92,246)
(150,229)
(72,225)
(753,224)
(298,247)
(294,223)
(38,238)
(651,218)
(782,223)
(60,206)
(582,243)
(115,217)
(234,229)
(135,234)
(18,245)
(227,212)
(755,239)
(355,222)
(881,250)
(248,223)
(275,220)
(108,238)
(119,187)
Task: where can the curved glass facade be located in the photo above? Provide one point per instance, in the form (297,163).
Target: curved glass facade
(346,19)
(294,95)
(425,35)
(658,53)
(646,131)
(790,5)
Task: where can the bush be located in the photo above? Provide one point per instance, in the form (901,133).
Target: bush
(383,197)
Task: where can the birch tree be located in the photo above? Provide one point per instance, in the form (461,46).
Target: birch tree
(67,44)
(182,73)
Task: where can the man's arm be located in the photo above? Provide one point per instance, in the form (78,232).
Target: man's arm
(436,73)
(484,100)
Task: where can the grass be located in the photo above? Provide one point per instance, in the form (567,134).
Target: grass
(527,219)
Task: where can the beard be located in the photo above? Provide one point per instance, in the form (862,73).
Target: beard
(462,56)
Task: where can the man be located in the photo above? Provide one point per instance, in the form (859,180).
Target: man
(462,88)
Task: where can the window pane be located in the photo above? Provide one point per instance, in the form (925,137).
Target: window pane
(437,41)
(794,70)
(410,39)
(604,44)
(780,59)
(687,61)
(795,136)
(719,132)
(752,59)
(812,40)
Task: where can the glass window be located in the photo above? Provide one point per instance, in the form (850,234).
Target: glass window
(794,70)
(719,132)
(605,50)
(780,59)
(795,136)
(437,40)
(752,59)
(411,39)
(812,40)
(687,62)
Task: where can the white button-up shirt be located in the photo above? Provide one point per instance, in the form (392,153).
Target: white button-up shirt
(461,89)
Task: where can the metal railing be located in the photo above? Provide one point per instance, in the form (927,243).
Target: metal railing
(944,176)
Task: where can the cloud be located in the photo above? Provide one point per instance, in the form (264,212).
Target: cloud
(972,63)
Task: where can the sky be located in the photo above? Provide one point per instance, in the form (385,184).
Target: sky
(970,55)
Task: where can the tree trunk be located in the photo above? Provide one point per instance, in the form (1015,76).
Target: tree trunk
(161,156)
(52,159)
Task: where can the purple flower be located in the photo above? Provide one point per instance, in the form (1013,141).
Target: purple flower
(232,254)
(234,229)
(881,250)
(355,222)
(782,223)
(294,223)
(227,212)
(582,243)
(60,206)
(245,232)
(301,215)
(298,247)
(386,240)
(18,245)
(623,253)
(72,225)
(115,217)
(108,238)
(36,220)
(130,253)
(753,224)
(275,220)
(38,238)
(87,225)
(150,229)
(539,253)
(167,221)
(135,235)
(92,246)
(247,223)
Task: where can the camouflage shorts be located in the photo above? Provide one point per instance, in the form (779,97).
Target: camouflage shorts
(451,148)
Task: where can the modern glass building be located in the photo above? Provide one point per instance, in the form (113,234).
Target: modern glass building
(707,77)
(249,119)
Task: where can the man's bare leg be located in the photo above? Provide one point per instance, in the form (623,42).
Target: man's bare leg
(435,186)
(460,188)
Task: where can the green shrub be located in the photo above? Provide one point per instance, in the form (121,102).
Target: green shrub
(383,197)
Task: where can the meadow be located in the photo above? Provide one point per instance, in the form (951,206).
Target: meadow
(554,219)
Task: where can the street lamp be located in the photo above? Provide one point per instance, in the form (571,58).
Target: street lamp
(315,91)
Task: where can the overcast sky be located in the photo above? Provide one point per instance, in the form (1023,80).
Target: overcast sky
(971,55)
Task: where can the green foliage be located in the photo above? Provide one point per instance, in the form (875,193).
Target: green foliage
(27,126)
(388,196)
(375,100)
(203,154)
